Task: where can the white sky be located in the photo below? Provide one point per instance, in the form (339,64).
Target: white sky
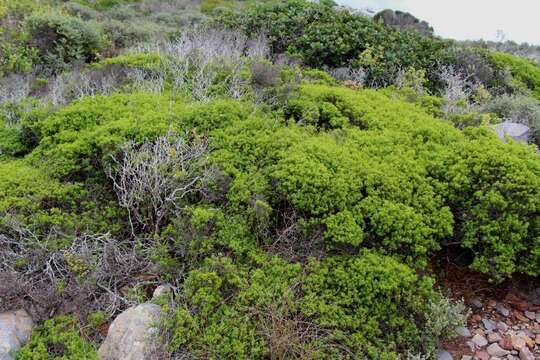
(469,19)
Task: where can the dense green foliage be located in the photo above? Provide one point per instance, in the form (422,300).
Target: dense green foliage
(59,339)
(525,72)
(323,35)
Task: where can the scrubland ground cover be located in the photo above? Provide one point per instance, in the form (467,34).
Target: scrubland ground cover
(291,168)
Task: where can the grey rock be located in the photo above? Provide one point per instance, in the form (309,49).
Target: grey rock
(495,350)
(131,334)
(15,330)
(502,326)
(444,355)
(466,357)
(163,291)
(516,131)
(479,340)
(530,315)
(476,304)
(525,354)
(502,310)
(471,345)
(488,324)
(463,331)
(494,337)
(403,21)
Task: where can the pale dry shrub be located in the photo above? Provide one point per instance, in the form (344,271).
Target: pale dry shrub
(151,179)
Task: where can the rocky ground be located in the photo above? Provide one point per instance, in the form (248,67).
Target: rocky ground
(504,322)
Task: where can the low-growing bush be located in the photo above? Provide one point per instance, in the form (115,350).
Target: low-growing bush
(525,73)
(372,305)
(58,338)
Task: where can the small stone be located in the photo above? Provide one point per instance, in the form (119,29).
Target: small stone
(530,315)
(529,341)
(476,318)
(463,331)
(537,339)
(506,344)
(471,345)
(495,350)
(479,332)
(525,354)
(502,326)
(523,305)
(520,316)
(494,337)
(479,340)
(476,304)
(162,291)
(488,324)
(538,317)
(466,357)
(495,358)
(502,310)
(444,355)
(518,342)
(491,303)
(481,355)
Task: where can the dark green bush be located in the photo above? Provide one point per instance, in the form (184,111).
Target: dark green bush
(323,35)
(61,39)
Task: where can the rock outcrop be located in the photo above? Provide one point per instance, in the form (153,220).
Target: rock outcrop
(15,330)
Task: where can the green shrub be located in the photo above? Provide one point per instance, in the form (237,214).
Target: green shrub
(14,58)
(405,177)
(61,39)
(373,305)
(42,204)
(495,195)
(124,34)
(78,138)
(60,339)
(224,301)
(525,73)
(323,35)
(81,10)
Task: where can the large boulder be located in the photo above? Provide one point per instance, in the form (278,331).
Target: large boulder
(132,333)
(15,330)
(516,131)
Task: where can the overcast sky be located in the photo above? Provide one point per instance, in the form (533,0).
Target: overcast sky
(469,19)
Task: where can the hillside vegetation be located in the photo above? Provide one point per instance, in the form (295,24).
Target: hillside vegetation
(293,169)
